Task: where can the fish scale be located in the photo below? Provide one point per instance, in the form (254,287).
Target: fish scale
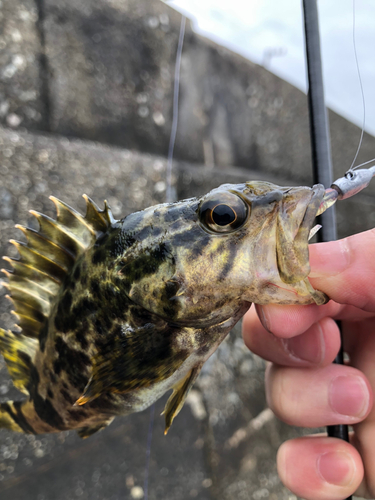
(113,314)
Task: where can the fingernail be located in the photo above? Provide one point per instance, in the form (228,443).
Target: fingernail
(348,395)
(336,468)
(329,259)
(264,318)
(309,346)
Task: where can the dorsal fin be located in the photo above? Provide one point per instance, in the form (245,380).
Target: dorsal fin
(45,260)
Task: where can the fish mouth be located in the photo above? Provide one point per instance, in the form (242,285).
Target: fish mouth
(312,210)
(330,196)
(294,229)
(321,199)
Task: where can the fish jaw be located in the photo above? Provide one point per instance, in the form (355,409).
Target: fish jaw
(330,197)
(281,252)
(294,224)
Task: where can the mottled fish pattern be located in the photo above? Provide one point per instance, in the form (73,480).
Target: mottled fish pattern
(113,314)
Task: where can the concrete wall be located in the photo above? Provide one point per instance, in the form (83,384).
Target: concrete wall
(76,72)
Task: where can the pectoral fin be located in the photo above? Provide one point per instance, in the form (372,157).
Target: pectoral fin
(178,396)
(127,363)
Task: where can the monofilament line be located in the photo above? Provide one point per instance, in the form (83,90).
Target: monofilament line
(172,140)
(169,198)
(365,163)
(148,451)
(362,93)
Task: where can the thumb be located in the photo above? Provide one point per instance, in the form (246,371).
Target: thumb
(345,269)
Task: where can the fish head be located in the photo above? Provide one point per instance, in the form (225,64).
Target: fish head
(238,244)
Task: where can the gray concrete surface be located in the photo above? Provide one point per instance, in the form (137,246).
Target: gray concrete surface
(104,70)
(22,91)
(73,71)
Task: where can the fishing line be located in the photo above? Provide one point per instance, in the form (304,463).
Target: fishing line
(362,93)
(366,163)
(148,450)
(172,140)
(169,198)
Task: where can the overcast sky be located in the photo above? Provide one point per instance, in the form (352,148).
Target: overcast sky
(256,28)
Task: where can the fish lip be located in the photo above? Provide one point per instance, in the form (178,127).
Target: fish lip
(329,198)
(292,253)
(313,206)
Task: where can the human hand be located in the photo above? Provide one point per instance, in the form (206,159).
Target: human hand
(305,389)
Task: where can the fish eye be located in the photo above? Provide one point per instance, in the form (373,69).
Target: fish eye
(223,212)
(223,215)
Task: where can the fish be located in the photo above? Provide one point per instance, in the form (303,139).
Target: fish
(112,314)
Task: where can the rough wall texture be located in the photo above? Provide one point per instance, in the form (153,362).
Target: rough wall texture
(22,92)
(71,72)
(104,71)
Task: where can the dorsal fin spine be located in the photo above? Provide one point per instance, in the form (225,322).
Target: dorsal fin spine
(37,275)
(105,216)
(57,227)
(37,259)
(35,239)
(23,247)
(18,294)
(31,284)
(29,292)
(26,270)
(62,208)
(26,309)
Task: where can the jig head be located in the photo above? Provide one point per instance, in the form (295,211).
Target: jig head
(353,182)
(347,186)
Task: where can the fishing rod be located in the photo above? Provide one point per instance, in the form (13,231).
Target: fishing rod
(321,151)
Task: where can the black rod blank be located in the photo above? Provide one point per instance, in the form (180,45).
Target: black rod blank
(320,146)
(319,129)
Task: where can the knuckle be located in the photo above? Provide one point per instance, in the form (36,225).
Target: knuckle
(280,395)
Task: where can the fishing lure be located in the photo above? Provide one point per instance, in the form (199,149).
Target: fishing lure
(114,313)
